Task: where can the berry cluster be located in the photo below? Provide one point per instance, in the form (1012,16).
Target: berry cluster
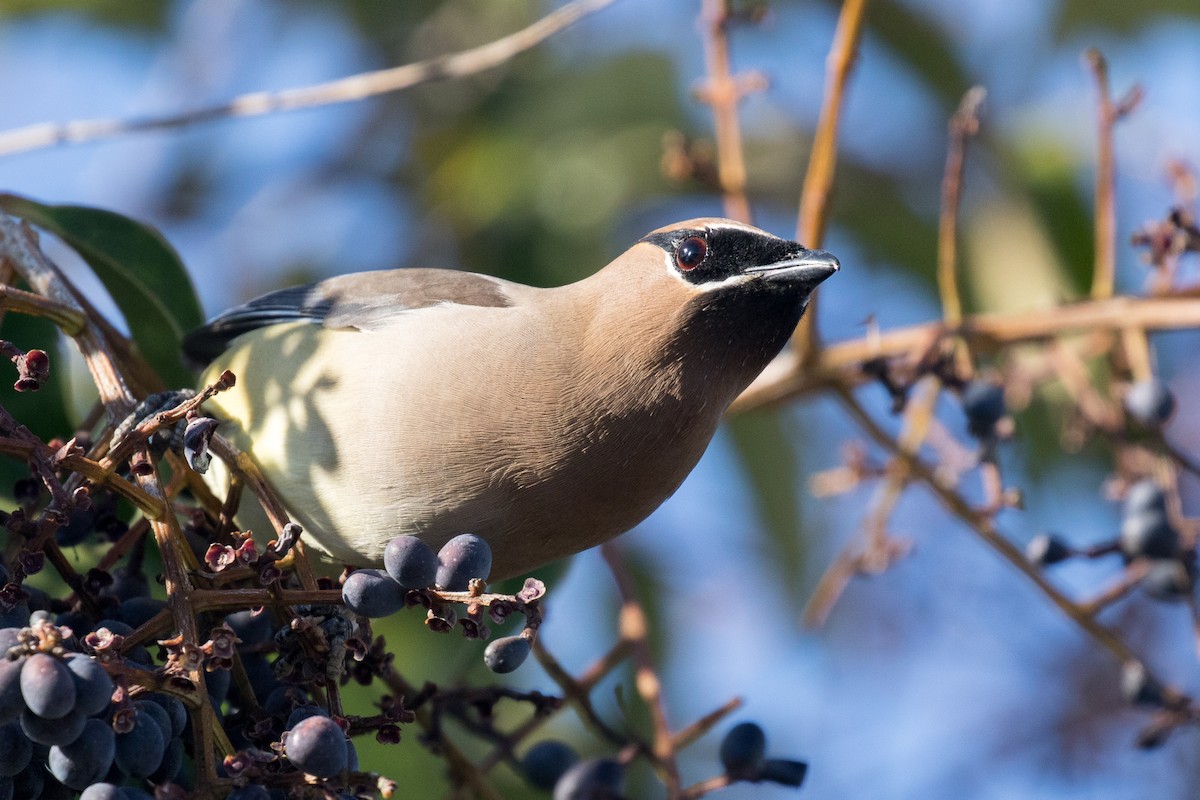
(1147,536)
(414,575)
(64,722)
(744,756)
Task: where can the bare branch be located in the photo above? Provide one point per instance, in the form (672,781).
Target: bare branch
(343,90)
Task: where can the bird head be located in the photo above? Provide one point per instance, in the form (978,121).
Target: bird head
(713,298)
(719,256)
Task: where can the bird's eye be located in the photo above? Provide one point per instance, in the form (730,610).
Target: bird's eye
(690,252)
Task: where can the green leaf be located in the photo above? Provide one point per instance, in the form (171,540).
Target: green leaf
(1077,17)
(765,448)
(140,270)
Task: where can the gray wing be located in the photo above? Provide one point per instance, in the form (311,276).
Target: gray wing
(363,300)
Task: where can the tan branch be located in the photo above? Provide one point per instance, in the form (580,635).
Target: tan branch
(839,363)
(354,87)
(822,162)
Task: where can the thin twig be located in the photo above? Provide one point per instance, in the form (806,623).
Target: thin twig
(1108,113)
(984,527)
(840,363)
(67,319)
(354,87)
(723,91)
(634,628)
(878,550)
(963,125)
(822,162)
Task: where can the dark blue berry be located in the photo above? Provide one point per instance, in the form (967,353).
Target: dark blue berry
(317,746)
(594,779)
(140,751)
(983,403)
(47,686)
(545,762)
(783,771)
(174,708)
(410,562)
(251,628)
(372,593)
(157,713)
(63,730)
(87,759)
(743,750)
(300,713)
(1149,402)
(11,702)
(104,791)
(16,750)
(506,654)
(93,686)
(464,557)
(1046,549)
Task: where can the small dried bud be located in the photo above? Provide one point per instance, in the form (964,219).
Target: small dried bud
(82,498)
(500,611)
(103,639)
(33,369)
(532,590)
(196,438)
(141,464)
(30,562)
(388,734)
(439,624)
(219,556)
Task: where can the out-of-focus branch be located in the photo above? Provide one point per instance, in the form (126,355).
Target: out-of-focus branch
(963,125)
(634,628)
(1109,113)
(840,363)
(984,527)
(354,87)
(723,91)
(822,163)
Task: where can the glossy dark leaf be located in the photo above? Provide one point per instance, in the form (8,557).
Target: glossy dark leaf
(137,266)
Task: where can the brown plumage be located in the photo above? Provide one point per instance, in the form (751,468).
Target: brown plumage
(436,402)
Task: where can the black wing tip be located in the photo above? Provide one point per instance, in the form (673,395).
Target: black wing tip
(202,346)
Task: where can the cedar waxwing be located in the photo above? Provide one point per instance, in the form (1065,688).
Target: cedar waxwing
(436,402)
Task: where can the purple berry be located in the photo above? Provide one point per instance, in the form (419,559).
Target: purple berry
(506,654)
(983,403)
(545,762)
(743,750)
(410,562)
(1046,549)
(464,557)
(1149,402)
(594,779)
(372,593)
(47,686)
(784,771)
(317,746)
(85,760)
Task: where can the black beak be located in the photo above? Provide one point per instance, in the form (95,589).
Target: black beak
(809,266)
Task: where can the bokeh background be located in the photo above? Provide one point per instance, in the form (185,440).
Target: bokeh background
(947,677)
